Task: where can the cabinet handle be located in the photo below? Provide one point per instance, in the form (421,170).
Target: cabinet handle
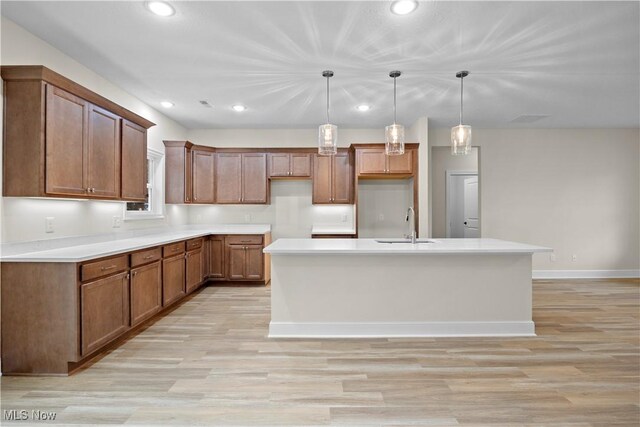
(111,267)
(148,257)
(127,276)
(176,249)
(134,273)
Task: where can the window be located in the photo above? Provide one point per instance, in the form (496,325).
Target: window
(153,206)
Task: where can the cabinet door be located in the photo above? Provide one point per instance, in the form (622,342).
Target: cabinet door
(103,153)
(134,162)
(371,161)
(228,181)
(203,178)
(254,178)
(216,257)
(342,179)
(173,279)
(194,269)
(322,166)
(279,164)
(65,140)
(300,165)
(104,311)
(401,164)
(254,264)
(146,292)
(236,262)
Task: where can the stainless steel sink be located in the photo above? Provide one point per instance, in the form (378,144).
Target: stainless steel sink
(404,241)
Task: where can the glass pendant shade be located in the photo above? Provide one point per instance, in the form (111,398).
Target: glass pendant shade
(460,140)
(461,134)
(327,139)
(394,140)
(327,133)
(394,134)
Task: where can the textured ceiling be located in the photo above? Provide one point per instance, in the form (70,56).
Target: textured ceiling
(574,63)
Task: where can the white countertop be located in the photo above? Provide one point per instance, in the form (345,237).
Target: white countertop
(370,246)
(84,252)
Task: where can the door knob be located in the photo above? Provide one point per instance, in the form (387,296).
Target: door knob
(465,223)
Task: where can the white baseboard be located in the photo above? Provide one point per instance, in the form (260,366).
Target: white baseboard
(400,329)
(585,274)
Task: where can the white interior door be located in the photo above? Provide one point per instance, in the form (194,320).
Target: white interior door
(471,218)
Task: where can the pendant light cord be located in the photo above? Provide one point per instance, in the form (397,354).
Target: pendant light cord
(394,100)
(328,121)
(461,91)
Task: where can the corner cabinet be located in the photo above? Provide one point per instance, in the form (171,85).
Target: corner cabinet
(333,179)
(62,140)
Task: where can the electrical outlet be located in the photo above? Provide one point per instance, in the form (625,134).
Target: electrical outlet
(574,257)
(117,221)
(344,217)
(247,218)
(380,217)
(48,224)
(552,257)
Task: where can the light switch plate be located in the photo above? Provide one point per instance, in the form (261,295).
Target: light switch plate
(117,221)
(48,224)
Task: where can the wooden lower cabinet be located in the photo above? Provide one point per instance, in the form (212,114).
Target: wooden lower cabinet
(193,261)
(173,279)
(216,257)
(245,262)
(146,292)
(104,311)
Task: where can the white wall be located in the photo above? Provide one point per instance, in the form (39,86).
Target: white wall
(23,219)
(575,190)
(441,162)
(382,207)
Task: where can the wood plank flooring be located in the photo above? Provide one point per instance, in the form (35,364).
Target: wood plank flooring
(209,363)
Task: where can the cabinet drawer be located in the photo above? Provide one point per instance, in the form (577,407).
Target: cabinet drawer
(145,257)
(244,240)
(104,267)
(172,249)
(194,244)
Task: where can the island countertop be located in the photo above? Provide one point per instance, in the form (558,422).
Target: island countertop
(371,246)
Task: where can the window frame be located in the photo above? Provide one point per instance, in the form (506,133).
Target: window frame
(156,195)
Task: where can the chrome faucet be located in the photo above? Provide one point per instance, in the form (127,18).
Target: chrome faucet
(413,224)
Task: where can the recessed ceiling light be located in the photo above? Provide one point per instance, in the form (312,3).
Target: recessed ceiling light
(160,8)
(363,107)
(403,7)
(166,104)
(239,108)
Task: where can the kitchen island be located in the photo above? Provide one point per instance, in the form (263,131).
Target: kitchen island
(332,288)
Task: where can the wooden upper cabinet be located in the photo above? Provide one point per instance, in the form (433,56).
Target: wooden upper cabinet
(228,178)
(66,140)
(296,165)
(178,181)
(372,161)
(134,155)
(241,178)
(63,140)
(333,179)
(203,176)
(254,178)
(279,164)
(103,154)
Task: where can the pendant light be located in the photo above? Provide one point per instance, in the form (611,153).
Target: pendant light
(394,134)
(327,133)
(461,134)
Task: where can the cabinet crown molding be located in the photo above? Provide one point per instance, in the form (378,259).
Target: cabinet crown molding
(42,73)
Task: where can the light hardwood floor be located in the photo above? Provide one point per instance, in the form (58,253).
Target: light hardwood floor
(209,363)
